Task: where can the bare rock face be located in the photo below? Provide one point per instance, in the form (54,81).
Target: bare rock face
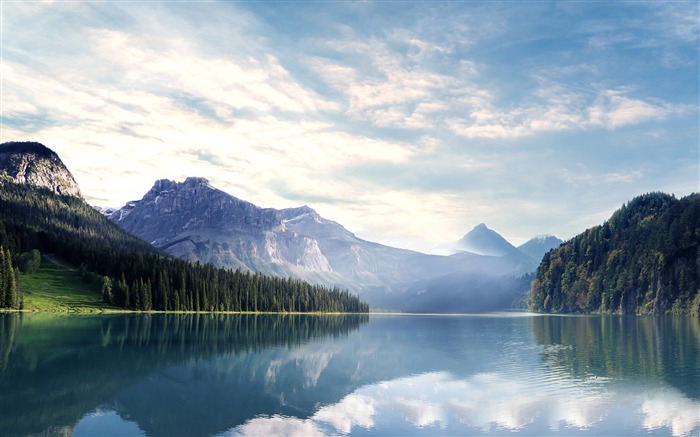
(35,164)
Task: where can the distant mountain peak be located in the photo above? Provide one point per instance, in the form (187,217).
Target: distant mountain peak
(542,237)
(537,246)
(483,241)
(32,163)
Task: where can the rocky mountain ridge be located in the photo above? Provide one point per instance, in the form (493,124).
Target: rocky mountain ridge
(196,221)
(34,164)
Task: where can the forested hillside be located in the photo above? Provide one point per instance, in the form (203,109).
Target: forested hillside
(644,260)
(133,273)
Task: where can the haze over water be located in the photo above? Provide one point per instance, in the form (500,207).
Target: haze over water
(211,375)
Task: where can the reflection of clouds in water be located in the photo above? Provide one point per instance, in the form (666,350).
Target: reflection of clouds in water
(353,410)
(279,426)
(666,408)
(419,412)
(488,401)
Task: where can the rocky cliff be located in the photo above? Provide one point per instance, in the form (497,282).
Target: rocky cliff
(34,164)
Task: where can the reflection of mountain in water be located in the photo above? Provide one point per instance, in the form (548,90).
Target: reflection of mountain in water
(54,370)
(207,397)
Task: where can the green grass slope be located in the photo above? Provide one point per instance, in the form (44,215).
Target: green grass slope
(59,287)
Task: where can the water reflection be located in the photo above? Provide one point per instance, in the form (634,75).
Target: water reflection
(492,403)
(56,369)
(584,375)
(627,347)
(327,375)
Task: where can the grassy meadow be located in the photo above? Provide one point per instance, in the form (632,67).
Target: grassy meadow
(58,287)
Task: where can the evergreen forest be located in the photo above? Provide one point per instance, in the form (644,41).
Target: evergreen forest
(644,260)
(132,273)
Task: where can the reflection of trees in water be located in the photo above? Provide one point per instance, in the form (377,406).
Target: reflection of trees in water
(629,347)
(55,369)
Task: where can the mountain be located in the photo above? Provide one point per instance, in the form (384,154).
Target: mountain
(132,272)
(536,247)
(644,260)
(483,241)
(34,164)
(195,221)
(486,242)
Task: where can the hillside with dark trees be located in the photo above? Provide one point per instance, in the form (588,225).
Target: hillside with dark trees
(644,260)
(132,273)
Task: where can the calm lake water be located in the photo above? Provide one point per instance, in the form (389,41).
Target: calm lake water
(211,375)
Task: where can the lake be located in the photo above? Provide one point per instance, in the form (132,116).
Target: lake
(216,375)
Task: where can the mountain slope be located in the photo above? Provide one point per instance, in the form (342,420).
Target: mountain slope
(34,164)
(645,259)
(536,247)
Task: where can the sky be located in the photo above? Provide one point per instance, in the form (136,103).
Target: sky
(408,122)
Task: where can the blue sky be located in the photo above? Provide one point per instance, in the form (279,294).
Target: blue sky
(407,122)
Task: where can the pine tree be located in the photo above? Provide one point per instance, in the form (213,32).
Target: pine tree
(3,275)
(10,282)
(147,300)
(123,292)
(135,294)
(107,289)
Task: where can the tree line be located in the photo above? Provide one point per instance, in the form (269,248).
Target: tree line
(135,275)
(644,260)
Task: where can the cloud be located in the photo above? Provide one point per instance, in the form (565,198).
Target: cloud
(561,109)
